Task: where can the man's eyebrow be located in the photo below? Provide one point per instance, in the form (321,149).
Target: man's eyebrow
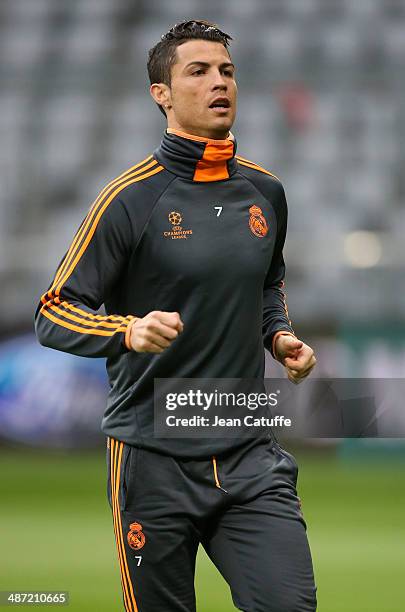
(207,65)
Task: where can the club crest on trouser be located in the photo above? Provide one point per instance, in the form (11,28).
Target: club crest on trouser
(136,538)
(257,222)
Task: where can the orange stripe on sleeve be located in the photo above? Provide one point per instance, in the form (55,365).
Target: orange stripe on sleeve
(82,230)
(97,218)
(249,161)
(282,285)
(80,330)
(90,315)
(110,185)
(128,333)
(249,164)
(89,323)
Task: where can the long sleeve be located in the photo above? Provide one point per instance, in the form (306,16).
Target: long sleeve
(275,312)
(66,318)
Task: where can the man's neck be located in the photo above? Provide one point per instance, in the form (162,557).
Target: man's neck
(202,133)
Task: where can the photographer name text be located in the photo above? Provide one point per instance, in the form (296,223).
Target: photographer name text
(247,421)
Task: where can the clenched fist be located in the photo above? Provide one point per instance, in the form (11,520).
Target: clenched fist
(297,357)
(155,332)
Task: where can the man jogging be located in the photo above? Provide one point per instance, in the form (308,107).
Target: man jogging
(184,250)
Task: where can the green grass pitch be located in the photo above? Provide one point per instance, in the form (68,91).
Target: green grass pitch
(56,533)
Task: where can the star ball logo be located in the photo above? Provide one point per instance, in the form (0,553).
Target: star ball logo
(175,218)
(257,222)
(177,232)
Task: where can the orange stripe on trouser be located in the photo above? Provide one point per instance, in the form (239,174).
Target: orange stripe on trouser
(113,462)
(217,483)
(116,449)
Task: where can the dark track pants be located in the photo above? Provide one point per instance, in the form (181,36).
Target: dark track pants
(242,507)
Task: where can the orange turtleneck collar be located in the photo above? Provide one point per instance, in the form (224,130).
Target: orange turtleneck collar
(196,157)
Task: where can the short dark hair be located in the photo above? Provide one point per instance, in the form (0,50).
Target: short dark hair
(163,55)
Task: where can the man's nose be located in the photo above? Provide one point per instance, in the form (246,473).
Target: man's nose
(219,81)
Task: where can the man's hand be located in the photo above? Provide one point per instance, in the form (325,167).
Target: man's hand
(297,357)
(155,332)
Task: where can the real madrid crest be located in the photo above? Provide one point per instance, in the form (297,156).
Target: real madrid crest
(257,222)
(136,537)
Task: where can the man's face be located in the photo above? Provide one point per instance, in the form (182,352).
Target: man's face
(202,74)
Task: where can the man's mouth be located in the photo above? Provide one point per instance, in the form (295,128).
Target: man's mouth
(220,104)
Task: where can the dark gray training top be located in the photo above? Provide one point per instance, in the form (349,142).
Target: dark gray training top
(195,229)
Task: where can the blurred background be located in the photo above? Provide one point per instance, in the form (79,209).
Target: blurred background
(322,106)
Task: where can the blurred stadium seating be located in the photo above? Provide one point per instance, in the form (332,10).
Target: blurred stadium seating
(321,105)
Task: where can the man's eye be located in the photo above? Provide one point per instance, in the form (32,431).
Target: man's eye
(198,71)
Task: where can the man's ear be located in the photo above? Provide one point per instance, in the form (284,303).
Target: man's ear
(160,92)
